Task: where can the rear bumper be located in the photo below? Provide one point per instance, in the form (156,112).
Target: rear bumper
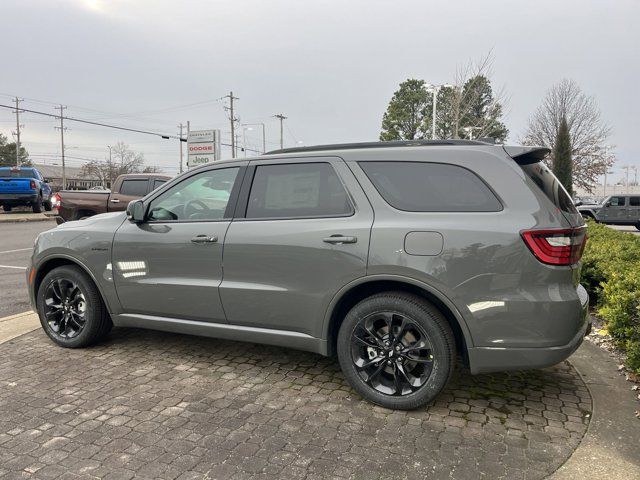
(497,359)
(17,198)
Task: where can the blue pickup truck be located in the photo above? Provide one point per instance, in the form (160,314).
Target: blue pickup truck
(24,186)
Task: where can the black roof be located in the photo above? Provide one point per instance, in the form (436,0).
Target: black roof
(395,143)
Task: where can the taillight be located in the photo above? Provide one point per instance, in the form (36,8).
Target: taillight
(32,184)
(562,246)
(55,201)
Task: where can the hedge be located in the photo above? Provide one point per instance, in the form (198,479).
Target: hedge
(611,274)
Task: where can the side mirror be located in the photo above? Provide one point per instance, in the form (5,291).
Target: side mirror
(608,204)
(578,203)
(135,211)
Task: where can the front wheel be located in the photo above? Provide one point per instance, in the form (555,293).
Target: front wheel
(70,308)
(48,206)
(396,350)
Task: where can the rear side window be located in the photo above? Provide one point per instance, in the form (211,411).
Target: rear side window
(301,190)
(634,201)
(549,184)
(134,187)
(430,187)
(157,183)
(617,201)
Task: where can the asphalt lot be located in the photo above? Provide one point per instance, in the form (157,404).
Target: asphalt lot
(16,244)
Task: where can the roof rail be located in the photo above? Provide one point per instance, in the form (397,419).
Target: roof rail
(391,144)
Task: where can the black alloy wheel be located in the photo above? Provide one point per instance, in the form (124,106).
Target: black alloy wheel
(392,353)
(65,308)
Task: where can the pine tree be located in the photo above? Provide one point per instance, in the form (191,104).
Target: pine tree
(406,112)
(562,161)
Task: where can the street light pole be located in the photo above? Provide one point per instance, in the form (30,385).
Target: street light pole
(264,137)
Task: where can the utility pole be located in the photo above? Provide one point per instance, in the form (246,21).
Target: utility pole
(110,167)
(18,100)
(282,118)
(181,126)
(233,120)
(62,129)
(626,183)
(635,175)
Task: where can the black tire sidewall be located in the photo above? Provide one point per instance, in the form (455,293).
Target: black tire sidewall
(434,325)
(94,311)
(37,206)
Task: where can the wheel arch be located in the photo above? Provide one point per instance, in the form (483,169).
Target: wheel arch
(352,293)
(59,260)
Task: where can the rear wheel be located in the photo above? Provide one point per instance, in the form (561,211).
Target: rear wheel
(6,208)
(70,308)
(396,350)
(37,205)
(48,206)
(638,226)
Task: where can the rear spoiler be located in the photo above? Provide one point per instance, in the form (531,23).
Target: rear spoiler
(527,155)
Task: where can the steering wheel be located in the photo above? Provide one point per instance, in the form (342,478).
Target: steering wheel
(195,206)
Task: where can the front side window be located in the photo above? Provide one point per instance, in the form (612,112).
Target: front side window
(617,201)
(134,187)
(297,190)
(200,197)
(430,187)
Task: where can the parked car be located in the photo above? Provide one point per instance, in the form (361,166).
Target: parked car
(24,186)
(78,204)
(615,210)
(396,256)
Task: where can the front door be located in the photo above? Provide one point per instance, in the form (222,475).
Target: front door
(171,264)
(615,210)
(303,233)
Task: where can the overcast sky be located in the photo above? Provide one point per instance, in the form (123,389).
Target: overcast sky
(330,66)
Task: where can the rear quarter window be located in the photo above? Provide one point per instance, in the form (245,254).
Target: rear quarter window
(550,186)
(430,187)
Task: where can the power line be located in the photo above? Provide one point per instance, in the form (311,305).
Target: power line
(106,125)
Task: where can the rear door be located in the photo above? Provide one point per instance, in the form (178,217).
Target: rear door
(300,233)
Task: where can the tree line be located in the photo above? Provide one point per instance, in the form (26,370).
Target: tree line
(568,121)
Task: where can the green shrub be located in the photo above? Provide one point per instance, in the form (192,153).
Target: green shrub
(611,273)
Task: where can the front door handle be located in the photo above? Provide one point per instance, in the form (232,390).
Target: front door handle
(339,239)
(115,200)
(204,239)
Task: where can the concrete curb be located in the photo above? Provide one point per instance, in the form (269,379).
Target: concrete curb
(14,326)
(610,448)
(13,218)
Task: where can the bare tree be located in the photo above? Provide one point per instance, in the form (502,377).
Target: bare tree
(124,160)
(471,104)
(589,132)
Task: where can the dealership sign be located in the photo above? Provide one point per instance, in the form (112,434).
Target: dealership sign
(203,147)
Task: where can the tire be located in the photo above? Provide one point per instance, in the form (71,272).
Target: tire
(637,226)
(95,324)
(48,206)
(433,367)
(37,205)
(7,208)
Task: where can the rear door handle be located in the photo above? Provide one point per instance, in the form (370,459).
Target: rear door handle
(339,239)
(204,239)
(115,200)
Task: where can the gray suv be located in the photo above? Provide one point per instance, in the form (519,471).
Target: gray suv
(615,210)
(398,257)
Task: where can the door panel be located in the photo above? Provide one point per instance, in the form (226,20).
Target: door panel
(616,211)
(158,270)
(282,273)
(633,213)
